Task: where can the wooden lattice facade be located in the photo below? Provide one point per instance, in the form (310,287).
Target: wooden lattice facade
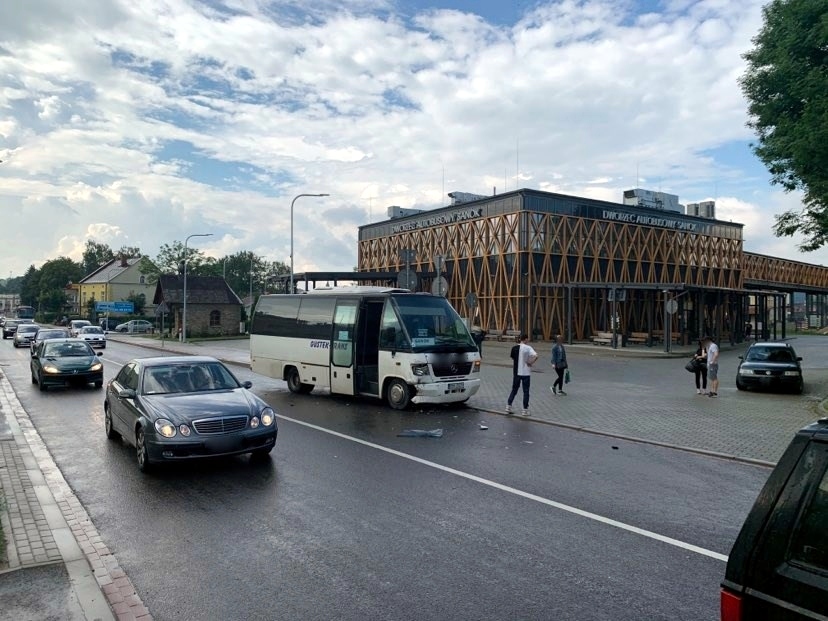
(553,264)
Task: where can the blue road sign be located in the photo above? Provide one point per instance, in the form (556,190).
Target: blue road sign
(114,307)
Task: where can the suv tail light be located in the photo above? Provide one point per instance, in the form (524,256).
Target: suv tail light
(731,606)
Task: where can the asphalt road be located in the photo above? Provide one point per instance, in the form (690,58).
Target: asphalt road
(350,521)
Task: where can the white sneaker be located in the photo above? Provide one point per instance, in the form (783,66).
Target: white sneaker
(525,412)
(698,391)
(554,391)
(508,409)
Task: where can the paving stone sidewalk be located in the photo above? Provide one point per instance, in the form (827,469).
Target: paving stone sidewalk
(45,524)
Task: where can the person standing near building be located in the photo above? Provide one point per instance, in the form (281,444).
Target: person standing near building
(524,356)
(712,366)
(701,369)
(559,364)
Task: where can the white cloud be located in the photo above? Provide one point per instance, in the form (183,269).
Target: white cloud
(162,118)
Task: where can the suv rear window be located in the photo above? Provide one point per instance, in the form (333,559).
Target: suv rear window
(810,542)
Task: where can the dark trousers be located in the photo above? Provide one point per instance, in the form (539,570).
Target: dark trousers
(559,382)
(517,380)
(701,377)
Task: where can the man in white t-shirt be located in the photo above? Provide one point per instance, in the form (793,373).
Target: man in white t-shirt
(712,366)
(523,356)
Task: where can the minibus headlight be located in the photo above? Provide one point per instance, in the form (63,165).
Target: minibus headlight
(420,369)
(476,366)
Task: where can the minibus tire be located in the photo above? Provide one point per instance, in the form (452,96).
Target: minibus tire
(293,380)
(398,394)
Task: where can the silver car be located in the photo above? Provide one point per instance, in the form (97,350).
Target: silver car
(76,324)
(93,335)
(25,334)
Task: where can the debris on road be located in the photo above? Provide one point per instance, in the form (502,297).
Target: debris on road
(420,433)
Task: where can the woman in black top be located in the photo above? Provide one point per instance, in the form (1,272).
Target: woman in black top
(701,369)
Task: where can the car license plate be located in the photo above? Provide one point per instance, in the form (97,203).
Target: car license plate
(456,387)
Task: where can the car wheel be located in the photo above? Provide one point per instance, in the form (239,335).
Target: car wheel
(98,384)
(34,379)
(40,383)
(141,452)
(293,381)
(739,385)
(110,430)
(800,388)
(398,394)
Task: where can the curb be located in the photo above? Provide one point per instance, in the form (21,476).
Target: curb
(687,449)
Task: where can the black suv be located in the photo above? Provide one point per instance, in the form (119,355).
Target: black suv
(778,568)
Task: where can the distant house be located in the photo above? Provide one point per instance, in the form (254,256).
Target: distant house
(115,281)
(213,308)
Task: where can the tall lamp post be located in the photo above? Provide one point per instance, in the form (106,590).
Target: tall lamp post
(291,233)
(183,338)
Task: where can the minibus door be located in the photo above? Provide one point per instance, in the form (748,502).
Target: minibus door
(342,347)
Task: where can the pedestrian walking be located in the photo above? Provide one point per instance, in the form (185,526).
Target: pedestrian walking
(712,365)
(523,357)
(701,369)
(559,364)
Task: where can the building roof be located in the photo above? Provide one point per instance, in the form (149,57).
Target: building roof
(200,290)
(108,271)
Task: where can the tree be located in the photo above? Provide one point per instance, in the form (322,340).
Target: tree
(54,276)
(139,301)
(94,255)
(30,287)
(785,83)
(170,260)
(129,252)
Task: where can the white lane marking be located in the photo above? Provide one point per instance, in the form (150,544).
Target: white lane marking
(511,490)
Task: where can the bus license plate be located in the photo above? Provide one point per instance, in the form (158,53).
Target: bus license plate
(456,387)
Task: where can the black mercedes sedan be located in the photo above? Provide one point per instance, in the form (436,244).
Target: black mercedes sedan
(179,408)
(57,362)
(772,365)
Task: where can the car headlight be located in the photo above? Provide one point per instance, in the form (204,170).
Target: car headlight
(268,417)
(96,367)
(746,372)
(420,369)
(791,373)
(165,428)
(184,430)
(50,368)
(254,422)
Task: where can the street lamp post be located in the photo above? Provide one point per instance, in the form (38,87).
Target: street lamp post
(291,233)
(183,338)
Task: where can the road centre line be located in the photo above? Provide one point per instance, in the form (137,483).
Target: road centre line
(512,490)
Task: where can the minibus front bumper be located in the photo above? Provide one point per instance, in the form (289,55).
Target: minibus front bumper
(445,392)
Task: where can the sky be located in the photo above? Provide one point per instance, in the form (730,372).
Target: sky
(140,123)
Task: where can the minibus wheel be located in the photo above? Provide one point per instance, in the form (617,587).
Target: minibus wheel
(398,394)
(293,381)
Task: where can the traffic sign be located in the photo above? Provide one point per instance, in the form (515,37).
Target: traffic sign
(440,286)
(407,279)
(114,307)
(471,299)
(671,306)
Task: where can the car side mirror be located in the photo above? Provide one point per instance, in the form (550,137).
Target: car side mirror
(34,354)
(799,358)
(126,393)
(100,353)
(248,384)
(741,357)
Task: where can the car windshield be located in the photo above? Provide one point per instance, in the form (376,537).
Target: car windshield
(25,328)
(42,335)
(769,354)
(92,330)
(188,377)
(432,324)
(62,350)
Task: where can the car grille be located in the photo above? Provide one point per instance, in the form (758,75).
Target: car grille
(457,368)
(227,424)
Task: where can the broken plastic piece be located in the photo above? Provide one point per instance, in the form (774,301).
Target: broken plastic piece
(420,433)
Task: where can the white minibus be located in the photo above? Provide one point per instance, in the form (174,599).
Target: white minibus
(392,344)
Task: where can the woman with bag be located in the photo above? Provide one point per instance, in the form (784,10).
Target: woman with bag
(700,369)
(559,364)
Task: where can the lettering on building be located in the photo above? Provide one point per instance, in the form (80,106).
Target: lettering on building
(666,223)
(452,217)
